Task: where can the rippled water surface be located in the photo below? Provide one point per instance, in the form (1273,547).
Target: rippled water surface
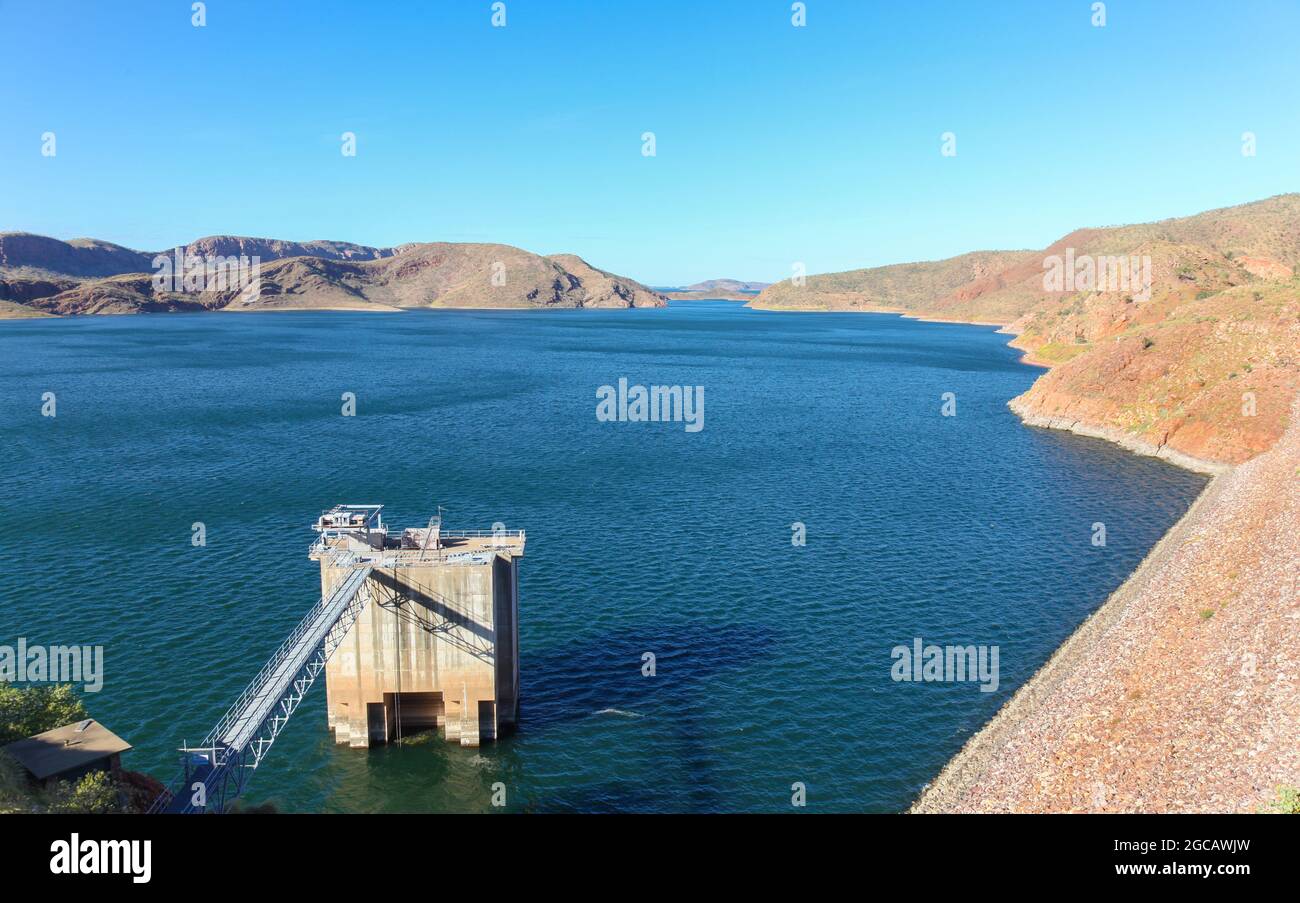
(773,660)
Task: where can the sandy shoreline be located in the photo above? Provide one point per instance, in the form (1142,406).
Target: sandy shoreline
(1181,693)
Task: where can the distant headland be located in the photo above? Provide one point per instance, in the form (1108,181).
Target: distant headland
(42,276)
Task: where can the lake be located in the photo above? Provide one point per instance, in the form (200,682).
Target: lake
(773,660)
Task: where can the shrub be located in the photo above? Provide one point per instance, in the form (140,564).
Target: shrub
(95,793)
(25,711)
(1287,802)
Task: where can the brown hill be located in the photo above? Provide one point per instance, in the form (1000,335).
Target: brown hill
(28,254)
(22,252)
(46,275)
(916,288)
(716,294)
(269,249)
(726,285)
(1210,378)
(1199,363)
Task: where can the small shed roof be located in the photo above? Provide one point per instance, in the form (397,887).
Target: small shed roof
(66,748)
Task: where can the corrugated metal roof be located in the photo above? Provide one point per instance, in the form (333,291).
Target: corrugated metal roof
(66,748)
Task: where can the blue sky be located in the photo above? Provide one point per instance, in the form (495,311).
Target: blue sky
(775,144)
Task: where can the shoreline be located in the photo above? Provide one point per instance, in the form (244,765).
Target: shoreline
(960,773)
(1082,735)
(1124,441)
(1029,418)
(1132,712)
(897,311)
(369,308)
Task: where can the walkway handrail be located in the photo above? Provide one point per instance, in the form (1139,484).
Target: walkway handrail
(249,727)
(217,734)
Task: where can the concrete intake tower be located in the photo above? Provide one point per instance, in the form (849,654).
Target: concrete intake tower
(436,643)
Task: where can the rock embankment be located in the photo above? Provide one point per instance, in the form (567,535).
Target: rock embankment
(1182,693)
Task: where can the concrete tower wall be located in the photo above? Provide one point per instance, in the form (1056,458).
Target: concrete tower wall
(505,584)
(436,643)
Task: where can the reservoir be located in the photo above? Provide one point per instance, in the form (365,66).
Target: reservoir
(707,616)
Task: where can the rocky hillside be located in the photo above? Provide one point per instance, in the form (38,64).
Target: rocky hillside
(915,288)
(273,249)
(22,253)
(41,275)
(1192,353)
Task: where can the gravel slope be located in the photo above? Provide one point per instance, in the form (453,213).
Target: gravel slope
(1182,693)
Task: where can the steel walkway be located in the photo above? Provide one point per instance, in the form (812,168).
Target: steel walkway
(216,772)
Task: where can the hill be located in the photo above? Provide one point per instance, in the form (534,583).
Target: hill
(1184,341)
(40,275)
(716,289)
(726,285)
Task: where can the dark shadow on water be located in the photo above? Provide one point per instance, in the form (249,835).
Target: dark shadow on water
(604,672)
(619,798)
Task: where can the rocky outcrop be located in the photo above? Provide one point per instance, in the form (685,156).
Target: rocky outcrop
(23,291)
(1210,382)
(269,249)
(601,289)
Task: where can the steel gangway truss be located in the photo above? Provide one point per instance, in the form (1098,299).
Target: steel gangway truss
(216,771)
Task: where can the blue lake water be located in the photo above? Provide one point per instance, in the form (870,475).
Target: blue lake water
(773,660)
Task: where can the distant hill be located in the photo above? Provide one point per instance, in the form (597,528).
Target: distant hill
(726,285)
(44,275)
(81,258)
(1168,367)
(274,249)
(713,289)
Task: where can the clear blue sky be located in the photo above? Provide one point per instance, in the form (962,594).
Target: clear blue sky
(775,144)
